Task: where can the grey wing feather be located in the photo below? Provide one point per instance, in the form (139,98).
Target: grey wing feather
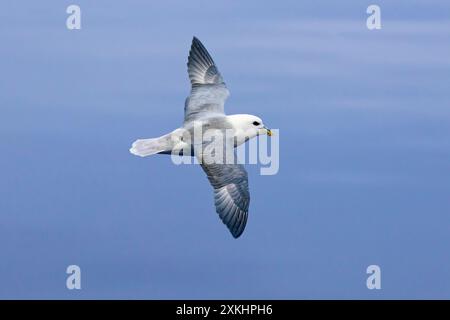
(208,92)
(231,194)
(201,67)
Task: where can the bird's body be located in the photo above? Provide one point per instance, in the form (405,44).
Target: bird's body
(211,136)
(175,141)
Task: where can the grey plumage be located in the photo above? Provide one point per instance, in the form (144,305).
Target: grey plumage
(208,91)
(231,194)
(201,67)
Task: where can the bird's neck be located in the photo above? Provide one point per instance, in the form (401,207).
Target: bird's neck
(239,123)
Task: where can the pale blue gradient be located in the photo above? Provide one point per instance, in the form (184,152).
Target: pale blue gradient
(364,119)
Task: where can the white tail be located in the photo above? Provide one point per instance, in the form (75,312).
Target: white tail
(147,147)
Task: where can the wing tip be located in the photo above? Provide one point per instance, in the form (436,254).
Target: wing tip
(201,66)
(236,235)
(237,223)
(239,229)
(196,43)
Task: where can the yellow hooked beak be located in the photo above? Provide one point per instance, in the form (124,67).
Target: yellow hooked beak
(269,132)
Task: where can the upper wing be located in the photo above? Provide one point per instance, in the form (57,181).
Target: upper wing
(208,91)
(201,67)
(231,195)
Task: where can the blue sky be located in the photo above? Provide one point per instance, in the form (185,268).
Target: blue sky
(364,120)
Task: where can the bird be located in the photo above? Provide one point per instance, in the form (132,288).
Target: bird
(204,110)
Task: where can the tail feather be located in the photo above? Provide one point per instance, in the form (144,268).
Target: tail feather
(147,147)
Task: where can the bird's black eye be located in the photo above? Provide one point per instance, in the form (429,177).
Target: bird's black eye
(256,123)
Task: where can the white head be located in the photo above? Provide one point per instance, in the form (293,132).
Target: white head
(248,125)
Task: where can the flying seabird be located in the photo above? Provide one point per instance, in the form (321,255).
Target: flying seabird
(204,110)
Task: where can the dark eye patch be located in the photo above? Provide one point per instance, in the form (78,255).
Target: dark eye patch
(256,123)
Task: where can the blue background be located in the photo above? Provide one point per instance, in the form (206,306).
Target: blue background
(364,120)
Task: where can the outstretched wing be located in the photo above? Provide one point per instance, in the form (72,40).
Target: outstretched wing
(208,91)
(231,195)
